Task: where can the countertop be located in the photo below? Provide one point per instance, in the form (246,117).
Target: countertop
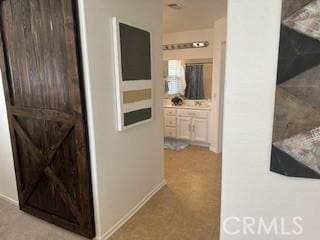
(195,107)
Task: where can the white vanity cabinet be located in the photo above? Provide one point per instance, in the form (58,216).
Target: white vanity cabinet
(187,123)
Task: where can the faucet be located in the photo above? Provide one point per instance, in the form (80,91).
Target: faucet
(198,102)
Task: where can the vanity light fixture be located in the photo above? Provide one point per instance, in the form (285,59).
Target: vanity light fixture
(185,45)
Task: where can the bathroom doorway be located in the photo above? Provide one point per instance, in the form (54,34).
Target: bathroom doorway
(193,72)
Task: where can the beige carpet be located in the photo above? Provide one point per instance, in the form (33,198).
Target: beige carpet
(16,225)
(186,209)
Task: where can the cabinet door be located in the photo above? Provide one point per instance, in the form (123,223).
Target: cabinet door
(200,130)
(184,128)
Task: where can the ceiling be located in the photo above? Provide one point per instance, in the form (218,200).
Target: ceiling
(195,14)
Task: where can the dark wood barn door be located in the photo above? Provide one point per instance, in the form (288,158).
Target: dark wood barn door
(41,71)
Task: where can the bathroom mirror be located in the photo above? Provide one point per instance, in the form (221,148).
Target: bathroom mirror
(191,79)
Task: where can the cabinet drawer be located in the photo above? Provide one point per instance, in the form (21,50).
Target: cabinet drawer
(170,112)
(170,132)
(170,121)
(193,113)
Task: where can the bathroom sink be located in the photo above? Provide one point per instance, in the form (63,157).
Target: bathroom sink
(197,104)
(189,106)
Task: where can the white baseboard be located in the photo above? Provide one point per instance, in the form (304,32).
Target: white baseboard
(133,211)
(9,200)
(214,149)
(200,144)
(122,221)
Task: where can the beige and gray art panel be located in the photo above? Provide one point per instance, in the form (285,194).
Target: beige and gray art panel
(296,134)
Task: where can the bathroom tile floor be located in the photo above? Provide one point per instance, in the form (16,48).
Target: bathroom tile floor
(187,208)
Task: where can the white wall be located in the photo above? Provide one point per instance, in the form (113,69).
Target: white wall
(187,37)
(220,28)
(128,165)
(8,187)
(248,187)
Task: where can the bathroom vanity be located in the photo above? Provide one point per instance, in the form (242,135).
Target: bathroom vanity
(190,80)
(188,123)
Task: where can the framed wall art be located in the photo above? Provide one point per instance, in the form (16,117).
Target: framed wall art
(134,94)
(296,133)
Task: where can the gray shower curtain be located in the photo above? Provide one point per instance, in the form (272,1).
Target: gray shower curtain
(194,82)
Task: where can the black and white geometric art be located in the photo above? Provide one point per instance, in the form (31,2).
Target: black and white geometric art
(296,134)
